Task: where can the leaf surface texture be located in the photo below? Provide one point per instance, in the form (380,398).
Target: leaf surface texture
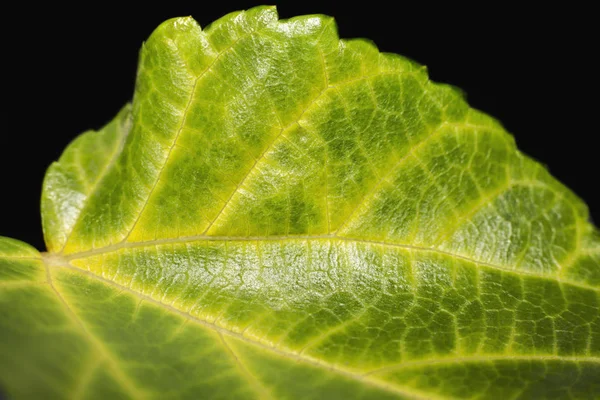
(282,214)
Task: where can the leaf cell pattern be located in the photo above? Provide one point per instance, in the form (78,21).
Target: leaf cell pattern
(283,214)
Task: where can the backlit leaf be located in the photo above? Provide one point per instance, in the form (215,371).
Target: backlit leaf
(281,214)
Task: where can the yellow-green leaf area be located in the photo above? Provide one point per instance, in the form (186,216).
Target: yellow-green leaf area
(281,214)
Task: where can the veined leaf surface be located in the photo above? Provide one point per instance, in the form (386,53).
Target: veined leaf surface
(283,214)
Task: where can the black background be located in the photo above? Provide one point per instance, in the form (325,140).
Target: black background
(68,70)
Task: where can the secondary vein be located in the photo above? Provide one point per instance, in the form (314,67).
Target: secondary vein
(376,383)
(121,377)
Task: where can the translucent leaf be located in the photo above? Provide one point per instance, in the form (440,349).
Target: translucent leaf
(283,214)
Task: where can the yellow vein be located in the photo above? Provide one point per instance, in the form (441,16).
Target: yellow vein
(332,238)
(579,252)
(118,373)
(321,337)
(483,359)
(396,389)
(484,201)
(112,158)
(86,377)
(282,132)
(182,124)
(394,168)
(21,284)
(162,168)
(258,386)
(26,258)
(476,262)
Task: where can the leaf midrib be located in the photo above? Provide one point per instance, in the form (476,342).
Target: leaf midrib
(482,359)
(331,237)
(362,377)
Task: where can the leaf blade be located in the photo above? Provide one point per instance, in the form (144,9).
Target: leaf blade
(70,181)
(289,201)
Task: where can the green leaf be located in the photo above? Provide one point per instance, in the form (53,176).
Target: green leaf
(281,214)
